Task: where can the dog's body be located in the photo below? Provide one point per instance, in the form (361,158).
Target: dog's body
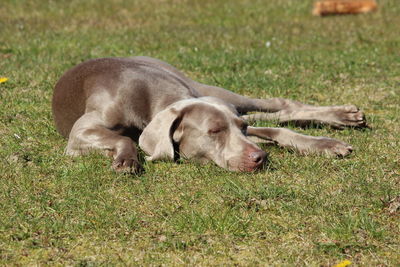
(108,103)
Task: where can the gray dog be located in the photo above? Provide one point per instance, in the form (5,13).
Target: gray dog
(109,104)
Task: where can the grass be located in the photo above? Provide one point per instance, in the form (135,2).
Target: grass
(314,211)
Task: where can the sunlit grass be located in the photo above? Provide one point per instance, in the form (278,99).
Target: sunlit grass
(312,211)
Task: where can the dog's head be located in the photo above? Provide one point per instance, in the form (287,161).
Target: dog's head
(203,129)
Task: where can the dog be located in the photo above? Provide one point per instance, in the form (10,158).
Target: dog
(111,104)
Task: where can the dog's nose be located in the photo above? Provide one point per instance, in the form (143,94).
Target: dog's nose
(258,157)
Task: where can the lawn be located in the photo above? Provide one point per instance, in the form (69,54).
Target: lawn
(300,211)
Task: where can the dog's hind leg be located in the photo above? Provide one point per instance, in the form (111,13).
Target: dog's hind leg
(245,104)
(89,133)
(336,116)
(284,110)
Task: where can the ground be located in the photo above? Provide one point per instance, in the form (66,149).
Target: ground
(301,210)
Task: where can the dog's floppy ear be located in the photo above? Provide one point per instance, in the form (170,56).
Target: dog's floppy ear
(156,139)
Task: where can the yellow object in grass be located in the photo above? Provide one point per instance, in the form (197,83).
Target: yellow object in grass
(3,79)
(343,263)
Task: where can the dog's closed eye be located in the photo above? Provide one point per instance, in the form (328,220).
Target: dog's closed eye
(216,130)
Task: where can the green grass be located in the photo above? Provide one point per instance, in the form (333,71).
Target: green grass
(313,211)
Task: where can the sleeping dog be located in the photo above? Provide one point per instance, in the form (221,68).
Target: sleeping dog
(111,104)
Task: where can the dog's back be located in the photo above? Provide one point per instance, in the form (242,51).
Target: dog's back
(144,84)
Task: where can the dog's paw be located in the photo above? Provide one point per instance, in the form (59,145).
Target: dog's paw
(331,147)
(127,165)
(348,116)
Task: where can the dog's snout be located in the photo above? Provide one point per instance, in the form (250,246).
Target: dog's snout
(258,157)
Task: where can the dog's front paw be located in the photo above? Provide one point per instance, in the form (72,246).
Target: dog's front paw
(332,147)
(127,165)
(348,116)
